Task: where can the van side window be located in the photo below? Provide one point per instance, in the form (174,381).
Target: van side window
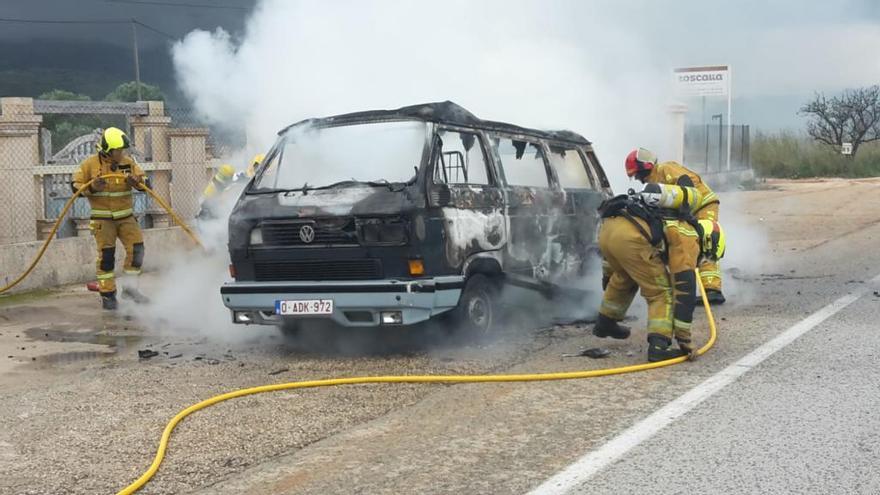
(570,168)
(523,163)
(597,169)
(460,159)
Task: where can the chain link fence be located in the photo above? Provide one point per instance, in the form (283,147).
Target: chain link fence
(42,143)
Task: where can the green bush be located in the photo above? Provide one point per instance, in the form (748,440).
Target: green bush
(793,156)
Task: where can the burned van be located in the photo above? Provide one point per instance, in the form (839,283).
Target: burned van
(395,217)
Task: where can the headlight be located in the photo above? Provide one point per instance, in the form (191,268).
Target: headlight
(256,236)
(391,232)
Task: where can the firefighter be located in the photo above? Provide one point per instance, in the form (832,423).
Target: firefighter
(224,180)
(220,183)
(651,249)
(112,214)
(642,164)
(253,166)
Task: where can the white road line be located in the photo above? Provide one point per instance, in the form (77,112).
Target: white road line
(587,466)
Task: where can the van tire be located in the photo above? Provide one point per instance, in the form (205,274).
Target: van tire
(477,311)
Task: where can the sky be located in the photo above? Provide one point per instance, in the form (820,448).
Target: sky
(602,68)
(621,52)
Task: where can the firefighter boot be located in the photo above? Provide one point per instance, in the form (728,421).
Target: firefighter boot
(659,348)
(108,301)
(134,295)
(607,327)
(716,298)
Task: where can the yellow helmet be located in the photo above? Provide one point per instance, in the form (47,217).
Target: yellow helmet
(713,239)
(255,162)
(113,139)
(226,170)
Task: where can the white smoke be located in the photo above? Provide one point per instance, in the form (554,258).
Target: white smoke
(602,69)
(748,252)
(599,68)
(525,62)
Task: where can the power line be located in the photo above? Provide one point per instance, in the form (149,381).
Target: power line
(97,21)
(151,28)
(53,21)
(176,4)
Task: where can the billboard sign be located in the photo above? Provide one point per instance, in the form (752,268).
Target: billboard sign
(702,81)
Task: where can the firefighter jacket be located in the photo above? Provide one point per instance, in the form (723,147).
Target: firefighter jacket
(114,202)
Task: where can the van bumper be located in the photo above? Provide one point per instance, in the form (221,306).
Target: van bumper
(355,303)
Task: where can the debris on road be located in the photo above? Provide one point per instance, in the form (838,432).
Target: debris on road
(593,352)
(574,321)
(278,372)
(147,353)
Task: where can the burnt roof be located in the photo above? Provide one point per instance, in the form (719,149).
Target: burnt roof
(445,112)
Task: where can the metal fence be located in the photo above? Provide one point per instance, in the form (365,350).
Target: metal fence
(705,148)
(43,142)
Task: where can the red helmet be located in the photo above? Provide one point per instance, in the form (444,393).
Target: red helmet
(638,160)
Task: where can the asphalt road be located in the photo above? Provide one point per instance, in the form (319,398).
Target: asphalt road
(800,421)
(803,421)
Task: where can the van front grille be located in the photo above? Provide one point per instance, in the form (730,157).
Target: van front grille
(335,232)
(280,271)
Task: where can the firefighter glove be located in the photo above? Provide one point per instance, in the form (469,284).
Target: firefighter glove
(99,185)
(134,181)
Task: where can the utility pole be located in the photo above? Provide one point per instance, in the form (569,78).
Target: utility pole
(137,64)
(704,109)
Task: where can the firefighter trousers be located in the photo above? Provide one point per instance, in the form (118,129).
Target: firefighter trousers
(710,271)
(106,232)
(633,264)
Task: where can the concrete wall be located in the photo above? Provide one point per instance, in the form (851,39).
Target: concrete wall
(72,260)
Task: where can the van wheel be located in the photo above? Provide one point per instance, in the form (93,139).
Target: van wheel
(477,309)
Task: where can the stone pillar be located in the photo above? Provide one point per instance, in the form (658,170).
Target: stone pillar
(188,162)
(150,132)
(677,112)
(19,154)
(161,185)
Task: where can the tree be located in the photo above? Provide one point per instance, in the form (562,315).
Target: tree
(65,128)
(853,117)
(128,92)
(63,95)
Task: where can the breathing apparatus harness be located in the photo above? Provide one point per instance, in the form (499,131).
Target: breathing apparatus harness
(632,205)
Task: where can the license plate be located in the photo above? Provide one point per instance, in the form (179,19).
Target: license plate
(304,307)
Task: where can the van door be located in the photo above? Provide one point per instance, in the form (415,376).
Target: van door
(579,220)
(533,200)
(466,188)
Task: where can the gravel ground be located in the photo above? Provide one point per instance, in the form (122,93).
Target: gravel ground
(80,413)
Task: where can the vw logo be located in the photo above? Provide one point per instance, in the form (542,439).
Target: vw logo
(307,234)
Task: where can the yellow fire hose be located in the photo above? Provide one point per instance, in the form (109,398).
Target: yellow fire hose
(331,382)
(448,379)
(66,208)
